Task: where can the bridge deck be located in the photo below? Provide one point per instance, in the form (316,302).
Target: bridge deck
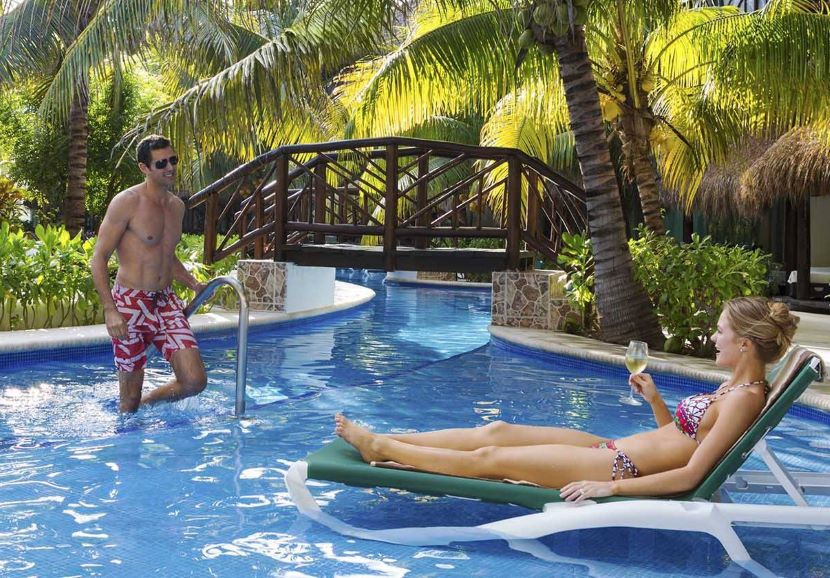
(444,259)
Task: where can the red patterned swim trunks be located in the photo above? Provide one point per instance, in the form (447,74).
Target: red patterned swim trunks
(155,317)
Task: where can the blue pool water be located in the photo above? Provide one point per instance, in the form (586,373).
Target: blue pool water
(187,490)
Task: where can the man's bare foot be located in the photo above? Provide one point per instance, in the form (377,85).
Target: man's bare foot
(362,439)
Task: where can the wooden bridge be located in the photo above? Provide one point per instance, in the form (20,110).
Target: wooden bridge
(453,207)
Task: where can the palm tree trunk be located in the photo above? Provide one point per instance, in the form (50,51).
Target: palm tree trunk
(74,210)
(625,312)
(635,137)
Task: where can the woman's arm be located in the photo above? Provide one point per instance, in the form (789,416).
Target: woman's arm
(736,413)
(644,385)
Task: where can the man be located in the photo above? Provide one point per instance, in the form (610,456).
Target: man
(143,224)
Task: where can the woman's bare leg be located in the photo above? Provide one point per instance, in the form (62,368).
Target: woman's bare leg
(498,433)
(547,465)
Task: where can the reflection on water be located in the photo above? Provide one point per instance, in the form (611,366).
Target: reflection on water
(186,489)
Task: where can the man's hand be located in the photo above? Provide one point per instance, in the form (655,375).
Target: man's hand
(199,287)
(116,326)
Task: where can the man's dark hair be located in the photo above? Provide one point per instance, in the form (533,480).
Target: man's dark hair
(152,142)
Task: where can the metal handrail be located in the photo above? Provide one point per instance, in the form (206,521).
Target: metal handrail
(242,333)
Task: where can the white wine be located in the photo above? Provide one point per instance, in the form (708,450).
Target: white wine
(635,364)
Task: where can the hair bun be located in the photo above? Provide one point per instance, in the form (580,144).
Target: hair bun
(769,324)
(786,321)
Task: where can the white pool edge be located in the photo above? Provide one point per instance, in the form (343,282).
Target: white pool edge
(346,296)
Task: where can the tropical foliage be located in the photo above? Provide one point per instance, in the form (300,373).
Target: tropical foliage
(37,147)
(45,281)
(257,70)
(12,199)
(687,283)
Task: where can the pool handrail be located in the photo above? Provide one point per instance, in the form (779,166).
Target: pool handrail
(242,331)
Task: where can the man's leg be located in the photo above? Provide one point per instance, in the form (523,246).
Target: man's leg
(130,390)
(190,379)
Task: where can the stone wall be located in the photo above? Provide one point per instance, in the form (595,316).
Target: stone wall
(264,283)
(285,287)
(534,299)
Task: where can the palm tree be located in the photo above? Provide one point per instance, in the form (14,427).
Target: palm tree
(262,77)
(256,70)
(623,307)
(35,36)
(481,66)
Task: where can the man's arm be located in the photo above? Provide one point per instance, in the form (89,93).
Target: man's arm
(112,229)
(185,277)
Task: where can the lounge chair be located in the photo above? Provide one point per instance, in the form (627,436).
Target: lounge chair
(706,508)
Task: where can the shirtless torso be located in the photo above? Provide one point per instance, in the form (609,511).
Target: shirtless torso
(153,228)
(143,225)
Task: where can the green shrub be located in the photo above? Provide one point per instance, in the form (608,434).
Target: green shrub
(686,283)
(45,281)
(577,259)
(11,200)
(190,252)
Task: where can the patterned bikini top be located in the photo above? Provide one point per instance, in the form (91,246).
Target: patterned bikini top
(690,411)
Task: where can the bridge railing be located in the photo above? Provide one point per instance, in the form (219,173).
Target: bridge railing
(340,191)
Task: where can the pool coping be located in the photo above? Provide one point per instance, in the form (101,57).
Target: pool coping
(594,350)
(346,296)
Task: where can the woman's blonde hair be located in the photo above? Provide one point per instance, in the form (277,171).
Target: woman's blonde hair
(768,324)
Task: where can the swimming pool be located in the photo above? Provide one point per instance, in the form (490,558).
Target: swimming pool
(187,489)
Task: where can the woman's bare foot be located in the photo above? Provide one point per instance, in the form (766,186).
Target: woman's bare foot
(362,439)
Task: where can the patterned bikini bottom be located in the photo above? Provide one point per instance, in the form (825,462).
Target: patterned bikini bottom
(623,467)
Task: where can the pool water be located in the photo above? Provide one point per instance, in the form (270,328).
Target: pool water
(186,489)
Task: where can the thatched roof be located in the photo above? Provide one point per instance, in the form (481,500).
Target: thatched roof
(760,172)
(795,166)
(719,196)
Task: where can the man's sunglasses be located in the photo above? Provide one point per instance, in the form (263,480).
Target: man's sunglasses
(162,163)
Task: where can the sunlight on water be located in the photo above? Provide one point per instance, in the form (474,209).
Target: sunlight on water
(187,489)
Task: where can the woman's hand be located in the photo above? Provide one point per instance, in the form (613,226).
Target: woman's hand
(644,385)
(585,490)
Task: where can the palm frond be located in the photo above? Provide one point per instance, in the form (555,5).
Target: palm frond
(782,65)
(33,37)
(453,67)
(534,119)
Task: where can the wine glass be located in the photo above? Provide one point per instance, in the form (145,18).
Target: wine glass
(636,359)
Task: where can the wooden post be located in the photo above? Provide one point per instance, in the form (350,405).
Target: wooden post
(259,222)
(390,221)
(341,211)
(514,213)
(454,217)
(790,250)
(688,227)
(211,215)
(803,290)
(281,208)
(423,220)
(533,194)
(243,230)
(320,187)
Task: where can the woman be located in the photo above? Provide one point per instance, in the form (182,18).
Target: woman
(751,332)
